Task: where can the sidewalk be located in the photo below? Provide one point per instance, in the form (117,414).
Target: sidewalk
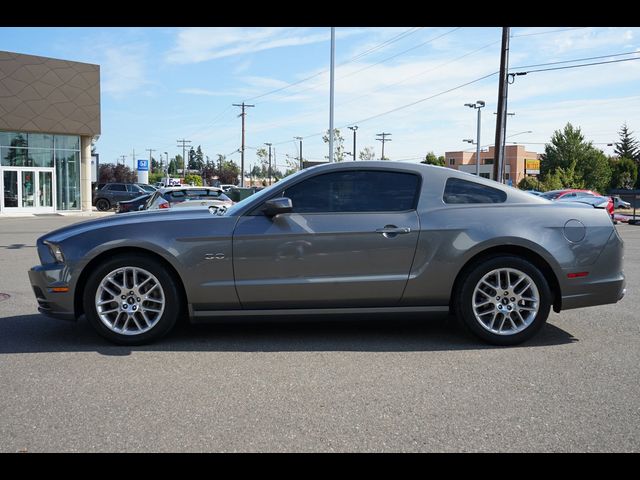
(94,213)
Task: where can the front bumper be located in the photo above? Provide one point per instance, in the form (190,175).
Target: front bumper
(43,279)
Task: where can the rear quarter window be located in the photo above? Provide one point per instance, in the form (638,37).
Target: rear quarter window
(458,191)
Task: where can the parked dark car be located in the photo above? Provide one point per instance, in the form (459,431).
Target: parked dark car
(132,205)
(350,237)
(111,193)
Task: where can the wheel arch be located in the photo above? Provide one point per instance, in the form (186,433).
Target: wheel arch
(516,250)
(108,254)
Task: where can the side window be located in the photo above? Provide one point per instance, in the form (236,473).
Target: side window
(457,190)
(355,191)
(133,188)
(117,187)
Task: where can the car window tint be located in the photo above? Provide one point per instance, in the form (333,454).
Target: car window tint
(118,187)
(133,188)
(457,190)
(355,191)
(177,194)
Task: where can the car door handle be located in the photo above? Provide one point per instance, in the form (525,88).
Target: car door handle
(392,230)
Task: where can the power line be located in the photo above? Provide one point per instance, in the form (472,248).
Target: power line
(547,32)
(368,66)
(577,60)
(576,66)
(403,52)
(356,57)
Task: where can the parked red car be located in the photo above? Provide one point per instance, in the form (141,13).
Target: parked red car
(568,193)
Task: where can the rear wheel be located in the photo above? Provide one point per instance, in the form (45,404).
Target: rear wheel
(504,300)
(103,205)
(131,300)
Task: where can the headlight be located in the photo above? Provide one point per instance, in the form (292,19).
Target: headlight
(56,251)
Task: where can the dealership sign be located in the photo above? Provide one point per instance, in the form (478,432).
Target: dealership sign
(532,167)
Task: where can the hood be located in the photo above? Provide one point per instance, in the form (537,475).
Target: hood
(133,218)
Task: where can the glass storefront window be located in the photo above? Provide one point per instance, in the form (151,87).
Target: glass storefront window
(67,180)
(14,157)
(41,150)
(40,140)
(41,158)
(13,139)
(67,142)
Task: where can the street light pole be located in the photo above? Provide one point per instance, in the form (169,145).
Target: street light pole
(300,138)
(354,128)
(478,105)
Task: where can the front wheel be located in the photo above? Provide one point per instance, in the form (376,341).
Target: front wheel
(131,300)
(504,300)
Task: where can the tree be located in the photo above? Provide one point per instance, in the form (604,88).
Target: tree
(263,159)
(155,166)
(595,170)
(195,180)
(627,147)
(574,162)
(528,183)
(172,169)
(431,159)
(109,173)
(367,154)
(623,173)
(338,145)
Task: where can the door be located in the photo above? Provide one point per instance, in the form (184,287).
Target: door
(349,242)
(28,190)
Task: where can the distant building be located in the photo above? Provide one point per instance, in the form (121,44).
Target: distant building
(515,157)
(49,115)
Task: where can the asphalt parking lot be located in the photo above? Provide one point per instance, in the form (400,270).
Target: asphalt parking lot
(386,385)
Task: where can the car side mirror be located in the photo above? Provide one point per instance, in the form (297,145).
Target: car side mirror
(140,207)
(276,206)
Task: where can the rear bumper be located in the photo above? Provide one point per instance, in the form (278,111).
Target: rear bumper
(605,282)
(53,304)
(599,292)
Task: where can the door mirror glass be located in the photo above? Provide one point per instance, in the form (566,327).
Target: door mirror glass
(276,206)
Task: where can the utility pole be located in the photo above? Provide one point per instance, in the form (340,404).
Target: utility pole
(383,139)
(501,118)
(184,160)
(354,128)
(300,138)
(331,83)
(150,150)
(269,145)
(243,105)
(123,157)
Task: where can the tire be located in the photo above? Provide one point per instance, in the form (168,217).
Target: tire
(143,312)
(484,310)
(103,204)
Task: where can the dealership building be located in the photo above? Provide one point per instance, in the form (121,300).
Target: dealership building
(49,116)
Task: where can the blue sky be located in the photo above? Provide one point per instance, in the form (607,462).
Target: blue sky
(162,84)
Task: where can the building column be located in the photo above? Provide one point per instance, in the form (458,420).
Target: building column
(85,174)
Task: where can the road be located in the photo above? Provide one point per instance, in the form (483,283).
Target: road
(401,384)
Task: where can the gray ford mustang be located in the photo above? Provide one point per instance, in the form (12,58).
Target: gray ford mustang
(355,237)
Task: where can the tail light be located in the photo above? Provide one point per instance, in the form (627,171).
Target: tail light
(164,205)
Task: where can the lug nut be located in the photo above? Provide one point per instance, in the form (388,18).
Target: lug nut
(123,297)
(513,299)
(506,293)
(124,305)
(508,308)
(138,299)
(497,298)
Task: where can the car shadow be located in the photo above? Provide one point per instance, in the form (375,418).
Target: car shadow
(38,334)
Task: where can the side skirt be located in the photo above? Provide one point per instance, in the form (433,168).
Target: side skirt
(204,316)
